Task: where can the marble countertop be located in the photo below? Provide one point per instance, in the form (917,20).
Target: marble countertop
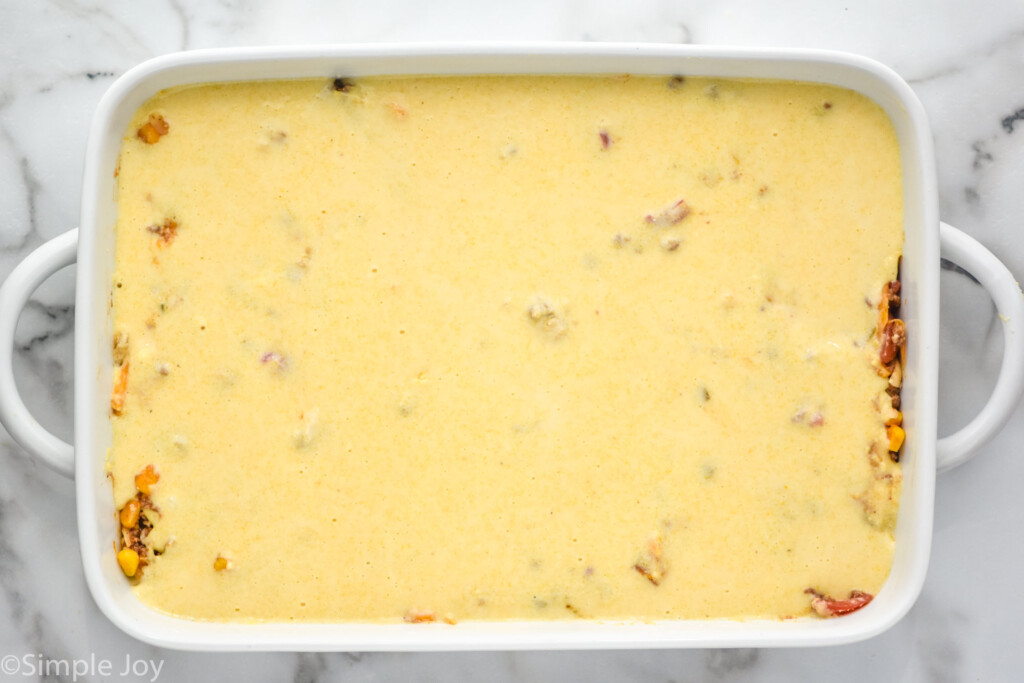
(964,60)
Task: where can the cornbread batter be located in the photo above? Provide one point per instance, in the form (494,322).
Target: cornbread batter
(461,348)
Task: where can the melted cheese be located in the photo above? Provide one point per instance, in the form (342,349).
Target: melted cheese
(452,346)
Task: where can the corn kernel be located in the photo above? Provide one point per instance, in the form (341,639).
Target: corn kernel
(130,513)
(896,436)
(145,479)
(151,131)
(129,561)
(147,133)
(220,564)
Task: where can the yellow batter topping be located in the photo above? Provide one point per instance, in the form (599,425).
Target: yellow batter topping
(504,347)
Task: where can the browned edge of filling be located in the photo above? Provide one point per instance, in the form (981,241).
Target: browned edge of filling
(891,333)
(892,352)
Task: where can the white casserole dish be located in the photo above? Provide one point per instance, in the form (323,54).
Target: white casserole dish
(92,247)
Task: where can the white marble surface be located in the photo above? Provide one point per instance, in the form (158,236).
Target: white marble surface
(965,61)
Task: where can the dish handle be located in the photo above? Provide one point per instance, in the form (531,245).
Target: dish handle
(46,260)
(967,252)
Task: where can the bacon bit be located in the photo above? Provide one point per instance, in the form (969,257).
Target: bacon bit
(651,564)
(824,606)
(398,110)
(879,497)
(419,616)
(894,393)
(276,358)
(620,240)
(120,348)
(155,128)
(815,419)
(145,479)
(676,82)
(120,389)
(135,527)
(894,337)
(606,140)
(343,84)
(134,537)
(166,232)
(891,295)
(670,215)
(889,304)
(670,243)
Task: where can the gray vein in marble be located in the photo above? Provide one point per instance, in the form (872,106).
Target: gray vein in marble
(972,197)
(33,626)
(311,666)
(687,37)
(42,85)
(982,157)
(30,191)
(723,663)
(47,322)
(970,61)
(52,373)
(1010,121)
(941,654)
(952,267)
(43,344)
(183,18)
(111,28)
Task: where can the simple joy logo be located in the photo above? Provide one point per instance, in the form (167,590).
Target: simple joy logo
(35,665)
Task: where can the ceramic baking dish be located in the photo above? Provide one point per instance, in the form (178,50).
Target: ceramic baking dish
(92,247)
